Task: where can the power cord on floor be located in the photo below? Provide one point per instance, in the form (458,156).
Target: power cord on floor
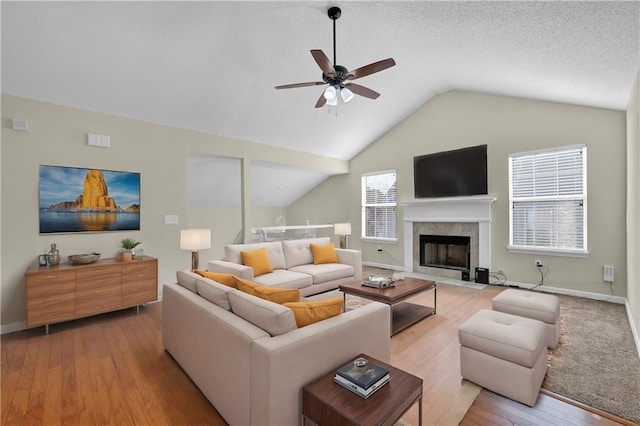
(499,277)
(611,290)
(542,276)
(389,254)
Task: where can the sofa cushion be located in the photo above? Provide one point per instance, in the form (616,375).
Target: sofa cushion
(187,279)
(274,249)
(214,292)
(219,277)
(298,252)
(285,279)
(323,253)
(272,294)
(273,318)
(311,312)
(325,272)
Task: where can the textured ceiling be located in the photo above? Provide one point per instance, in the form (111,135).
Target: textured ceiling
(212,66)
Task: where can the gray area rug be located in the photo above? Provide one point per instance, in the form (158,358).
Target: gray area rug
(596,361)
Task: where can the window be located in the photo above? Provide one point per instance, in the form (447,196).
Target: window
(379,202)
(548,201)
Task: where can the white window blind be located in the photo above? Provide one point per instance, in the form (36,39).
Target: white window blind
(548,199)
(379,203)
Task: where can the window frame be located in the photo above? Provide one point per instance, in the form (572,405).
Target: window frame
(551,251)
(364,206)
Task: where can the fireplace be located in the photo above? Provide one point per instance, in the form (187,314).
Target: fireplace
(445,251)
(459,216)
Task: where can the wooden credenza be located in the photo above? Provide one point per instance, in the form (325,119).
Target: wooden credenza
(65,292)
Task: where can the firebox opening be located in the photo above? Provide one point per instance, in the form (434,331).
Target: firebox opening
(446,251)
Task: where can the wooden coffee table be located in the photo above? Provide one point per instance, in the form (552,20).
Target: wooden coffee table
(403,314)
(325,402)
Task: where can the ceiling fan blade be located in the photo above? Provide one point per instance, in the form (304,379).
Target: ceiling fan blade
(321,101)
(294,85)
(371,68)
(362,91)
(323,62)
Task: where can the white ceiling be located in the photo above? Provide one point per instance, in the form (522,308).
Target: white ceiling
(212,66)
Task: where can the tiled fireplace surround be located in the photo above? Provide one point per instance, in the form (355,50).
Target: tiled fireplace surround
(463,216)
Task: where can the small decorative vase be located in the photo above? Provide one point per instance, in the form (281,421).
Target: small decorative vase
(53,257)
(126,255)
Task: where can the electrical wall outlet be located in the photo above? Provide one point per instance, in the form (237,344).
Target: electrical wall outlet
(607,273)
(537,263)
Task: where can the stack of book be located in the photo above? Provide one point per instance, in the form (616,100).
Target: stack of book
(362,381)
(379,282)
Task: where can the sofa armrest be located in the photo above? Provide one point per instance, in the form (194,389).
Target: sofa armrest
(353,258)
(281,366)
(244,272)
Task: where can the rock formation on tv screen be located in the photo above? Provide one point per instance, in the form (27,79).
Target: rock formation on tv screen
(95,196)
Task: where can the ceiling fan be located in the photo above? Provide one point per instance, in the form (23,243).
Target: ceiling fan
(338,77)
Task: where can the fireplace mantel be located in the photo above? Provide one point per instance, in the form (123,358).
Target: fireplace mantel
(457,209)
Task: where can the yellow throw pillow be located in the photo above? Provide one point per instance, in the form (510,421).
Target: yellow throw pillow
(310,312)
(324,253)
(272,294)
(219,277)
(258,260)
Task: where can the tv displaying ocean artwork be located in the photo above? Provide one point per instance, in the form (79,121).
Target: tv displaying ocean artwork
(88,200)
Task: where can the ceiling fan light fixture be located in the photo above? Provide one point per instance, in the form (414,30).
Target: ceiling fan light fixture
(333,102)
(346,94)
(330,93)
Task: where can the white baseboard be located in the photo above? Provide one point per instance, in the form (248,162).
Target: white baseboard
(568,292)
(385,266)
(556,290)
(10,328)
(634,330)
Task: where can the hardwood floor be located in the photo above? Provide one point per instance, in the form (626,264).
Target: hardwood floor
(112,369)
(108,369)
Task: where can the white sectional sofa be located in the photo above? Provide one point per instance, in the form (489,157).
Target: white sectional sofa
(250,375)
(292,263)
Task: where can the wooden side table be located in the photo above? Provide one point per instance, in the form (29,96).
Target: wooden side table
(325,402)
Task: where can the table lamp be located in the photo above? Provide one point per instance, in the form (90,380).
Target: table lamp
(194,240)
(343,230)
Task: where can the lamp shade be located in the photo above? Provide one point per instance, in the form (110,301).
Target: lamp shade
(342,228)
(195,239)
(346,94)
(330,93)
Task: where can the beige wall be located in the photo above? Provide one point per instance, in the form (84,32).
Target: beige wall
(452,120)
(633,202)
(458,119)
(57,136)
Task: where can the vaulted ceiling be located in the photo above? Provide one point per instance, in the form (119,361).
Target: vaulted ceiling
(212,66)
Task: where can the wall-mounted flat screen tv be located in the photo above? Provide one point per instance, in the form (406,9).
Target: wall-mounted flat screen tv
(457,173)
(88,200)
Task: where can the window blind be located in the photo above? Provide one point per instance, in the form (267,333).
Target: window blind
(379,205)
(548,199)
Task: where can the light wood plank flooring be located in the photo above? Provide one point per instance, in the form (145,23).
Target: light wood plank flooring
(112,369)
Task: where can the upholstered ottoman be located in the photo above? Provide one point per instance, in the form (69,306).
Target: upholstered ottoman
(538,306)
(504,353)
